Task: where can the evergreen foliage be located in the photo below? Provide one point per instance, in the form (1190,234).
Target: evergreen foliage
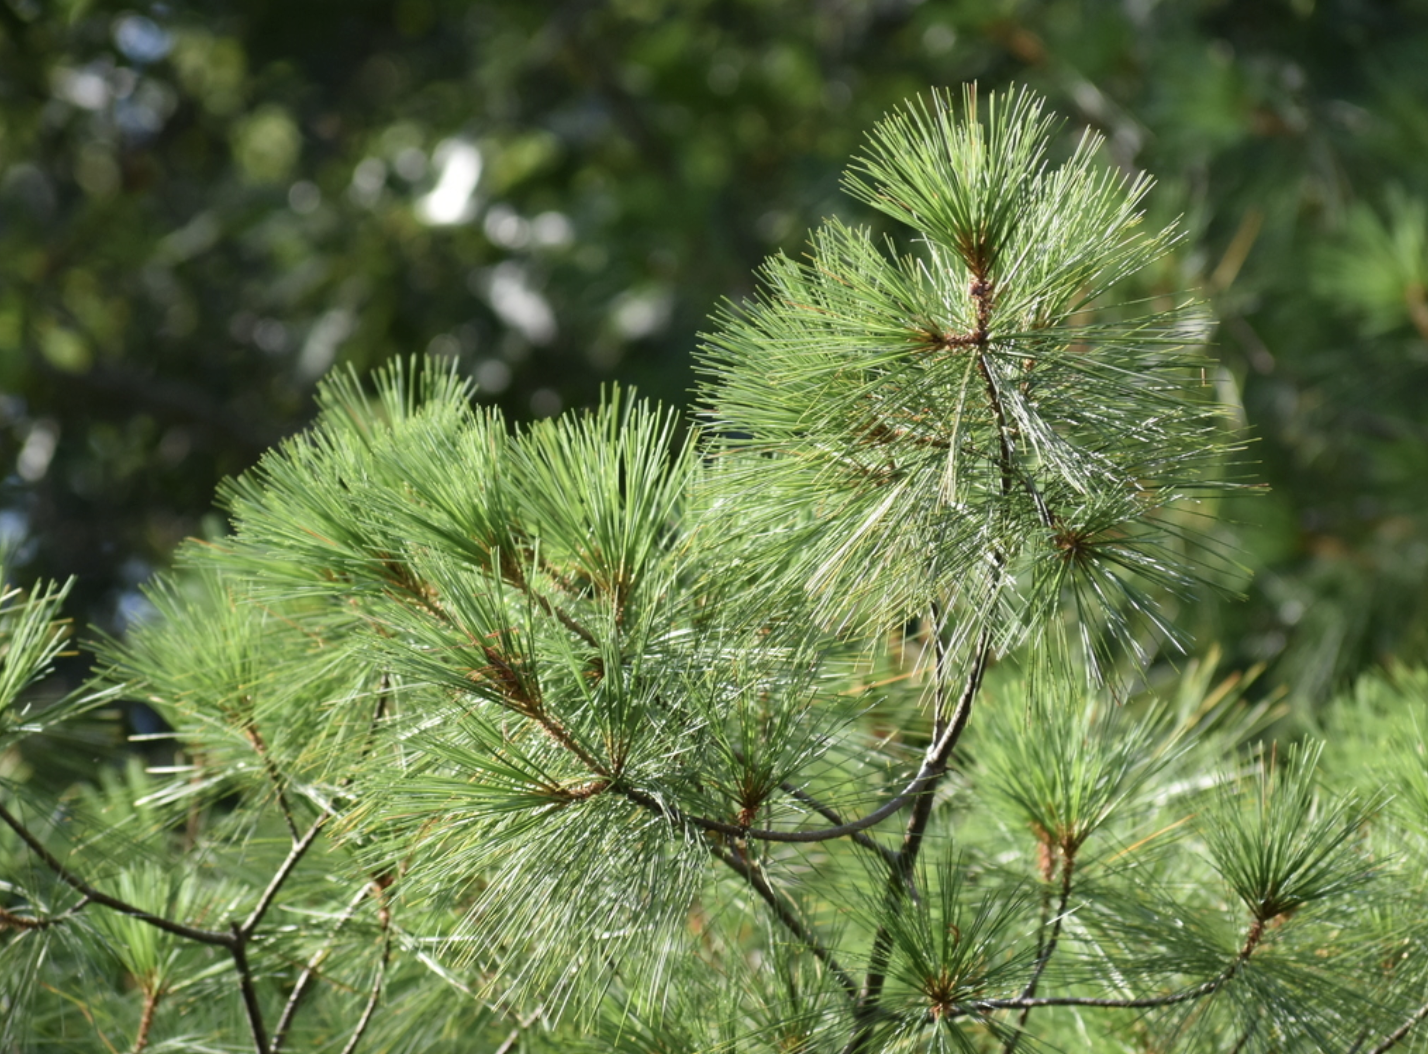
(207,204)
(820,728)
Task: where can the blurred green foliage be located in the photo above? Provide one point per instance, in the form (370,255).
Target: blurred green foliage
(205,204)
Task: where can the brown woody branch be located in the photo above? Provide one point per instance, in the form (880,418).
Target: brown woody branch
(1253,939)
(146,1021)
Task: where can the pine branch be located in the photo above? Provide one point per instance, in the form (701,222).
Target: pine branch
(512,685)
(146,1021)
(787,915)
(1245,1037)
(1401,1032)
(384,919)
(309,972)
(1025,1003)
(923,783)
(983,1006)
(25,922)
(260,747)
(982,292)
(90,894)
(511,572)
(235,941)
(285,869)
(836,819)
(238,948)
(900,876)
(1068,863)
(830,814)
(896,434)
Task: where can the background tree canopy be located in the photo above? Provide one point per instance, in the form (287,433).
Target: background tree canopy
(204,205)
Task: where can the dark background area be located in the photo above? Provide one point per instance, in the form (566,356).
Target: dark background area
(205,205)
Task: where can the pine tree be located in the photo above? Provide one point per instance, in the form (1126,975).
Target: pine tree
(823,726)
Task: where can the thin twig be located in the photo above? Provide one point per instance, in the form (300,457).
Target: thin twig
(926,778)
(900,876)
(1199,991)
(20,922)
(1253,938)
(251,1007)
(212,937)
(385,920)
(982,1006)
(235,940)
(1245,1037)
(26,922)
(260,747)
(832,816)
(1068,864)
(384,688)
(787,915)
(939,675)
(193,819)
(284,870)
(1393,1038)
(513,574)
(309,972)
